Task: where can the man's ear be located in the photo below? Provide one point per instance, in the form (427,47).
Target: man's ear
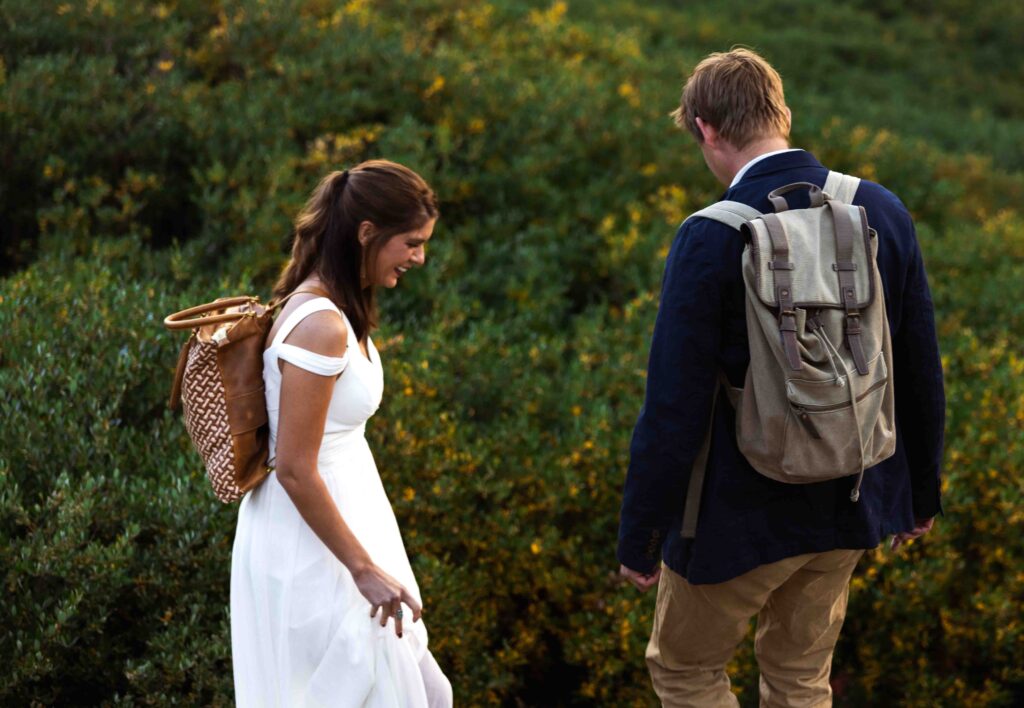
(708,132)
(365,232)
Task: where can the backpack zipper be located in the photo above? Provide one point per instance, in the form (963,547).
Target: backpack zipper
(803,410)
(801,414)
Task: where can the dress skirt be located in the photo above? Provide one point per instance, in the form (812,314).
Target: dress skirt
(301,632)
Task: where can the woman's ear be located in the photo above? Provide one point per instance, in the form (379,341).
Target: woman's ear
(366,229)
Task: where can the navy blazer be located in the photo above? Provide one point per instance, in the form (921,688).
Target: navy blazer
(746,519)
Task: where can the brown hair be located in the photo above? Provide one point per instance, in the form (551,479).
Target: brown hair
(737,92)
(390,196)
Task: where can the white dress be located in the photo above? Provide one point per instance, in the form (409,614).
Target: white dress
(301,632)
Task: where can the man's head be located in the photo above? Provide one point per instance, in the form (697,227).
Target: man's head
(738,93)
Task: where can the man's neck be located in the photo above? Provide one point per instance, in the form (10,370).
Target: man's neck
(734,160)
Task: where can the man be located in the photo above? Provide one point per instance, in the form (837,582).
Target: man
(782,552)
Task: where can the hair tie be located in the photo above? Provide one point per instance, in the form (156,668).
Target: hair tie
(341,182)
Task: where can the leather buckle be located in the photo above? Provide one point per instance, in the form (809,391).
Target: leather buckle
(853,323)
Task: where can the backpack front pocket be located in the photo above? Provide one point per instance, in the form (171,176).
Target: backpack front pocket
(830,423)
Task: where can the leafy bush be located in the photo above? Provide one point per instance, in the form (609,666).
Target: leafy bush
(150,149)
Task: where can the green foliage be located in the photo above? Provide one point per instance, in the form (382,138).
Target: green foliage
(149,148)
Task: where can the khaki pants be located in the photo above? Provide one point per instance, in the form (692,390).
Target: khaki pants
(800,604)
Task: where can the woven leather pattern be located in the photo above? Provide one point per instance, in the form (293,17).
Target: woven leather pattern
(206,418)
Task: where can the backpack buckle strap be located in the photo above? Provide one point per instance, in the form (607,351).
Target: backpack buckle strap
(854,341)
(849,298)
(787,328)
(844,267)
(782,268)
(853,322)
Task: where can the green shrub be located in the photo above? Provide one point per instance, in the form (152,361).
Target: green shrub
(161,167)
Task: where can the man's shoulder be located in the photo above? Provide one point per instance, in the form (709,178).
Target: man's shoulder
(887,215)
(702,229)
(700,242)
(873,194)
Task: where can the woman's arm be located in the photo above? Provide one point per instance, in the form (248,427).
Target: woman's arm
(305,398)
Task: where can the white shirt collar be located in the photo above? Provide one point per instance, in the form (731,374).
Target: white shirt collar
(743,170)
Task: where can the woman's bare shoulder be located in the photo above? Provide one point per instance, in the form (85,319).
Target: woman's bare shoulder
(322,332)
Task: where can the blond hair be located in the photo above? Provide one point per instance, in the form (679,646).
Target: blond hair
(737,92)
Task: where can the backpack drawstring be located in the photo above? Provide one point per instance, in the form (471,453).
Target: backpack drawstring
(818,330)
(833,354)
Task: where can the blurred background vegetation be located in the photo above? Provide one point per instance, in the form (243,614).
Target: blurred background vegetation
(152,155)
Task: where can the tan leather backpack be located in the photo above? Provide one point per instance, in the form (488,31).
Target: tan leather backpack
(219,381)
(817,402)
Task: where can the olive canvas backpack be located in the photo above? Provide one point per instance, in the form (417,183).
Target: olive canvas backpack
(817,402)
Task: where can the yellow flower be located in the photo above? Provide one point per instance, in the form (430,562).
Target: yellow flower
(628,91)
(165,65)
(535,547)
(550,17)
(434,87)
(409,494)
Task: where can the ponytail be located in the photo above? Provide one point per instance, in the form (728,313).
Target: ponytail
(310,225)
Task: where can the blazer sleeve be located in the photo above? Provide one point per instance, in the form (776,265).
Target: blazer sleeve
(917,377)
(681,381)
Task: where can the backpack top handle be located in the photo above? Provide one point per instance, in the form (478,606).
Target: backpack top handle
(192,317)
(813,191)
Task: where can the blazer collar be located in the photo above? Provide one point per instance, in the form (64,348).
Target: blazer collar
(780,162)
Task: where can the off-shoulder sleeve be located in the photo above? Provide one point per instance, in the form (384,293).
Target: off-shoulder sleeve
(311,361)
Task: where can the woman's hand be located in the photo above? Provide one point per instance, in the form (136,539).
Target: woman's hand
(386,595)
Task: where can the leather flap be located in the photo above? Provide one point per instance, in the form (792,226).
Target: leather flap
(812,257)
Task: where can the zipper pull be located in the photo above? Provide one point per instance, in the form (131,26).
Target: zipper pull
(808,423)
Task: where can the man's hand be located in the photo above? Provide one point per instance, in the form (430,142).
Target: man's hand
(640,581)
(922,527)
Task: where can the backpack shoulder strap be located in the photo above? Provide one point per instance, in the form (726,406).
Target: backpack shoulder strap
(841,187)
(732,214)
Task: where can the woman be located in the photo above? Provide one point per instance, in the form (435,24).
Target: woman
(321,587)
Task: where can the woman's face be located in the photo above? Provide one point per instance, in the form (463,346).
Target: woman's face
(400,253)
